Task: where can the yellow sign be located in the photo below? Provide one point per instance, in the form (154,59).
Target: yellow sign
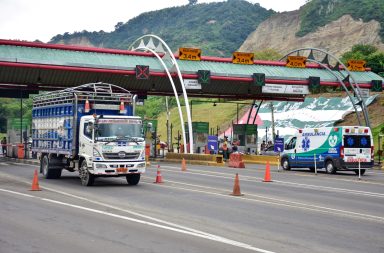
(191,54)
(356,65)
(296,61)
(242,58)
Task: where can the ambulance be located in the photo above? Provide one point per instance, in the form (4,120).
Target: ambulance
(332,148)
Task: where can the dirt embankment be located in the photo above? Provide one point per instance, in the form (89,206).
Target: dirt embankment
(337,37)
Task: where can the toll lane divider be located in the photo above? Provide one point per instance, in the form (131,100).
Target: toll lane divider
(260,159)
(198,159)
(217,160)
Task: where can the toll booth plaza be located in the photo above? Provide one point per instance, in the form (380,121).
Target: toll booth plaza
(246,134)
(200,131)
(150,68)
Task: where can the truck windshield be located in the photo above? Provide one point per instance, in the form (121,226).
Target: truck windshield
(109,129)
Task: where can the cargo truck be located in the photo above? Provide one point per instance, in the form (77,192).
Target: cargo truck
(90,129)
(332,148)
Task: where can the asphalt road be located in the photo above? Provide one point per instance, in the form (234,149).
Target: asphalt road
(193,211)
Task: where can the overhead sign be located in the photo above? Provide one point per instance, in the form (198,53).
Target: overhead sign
(191,54)
(204,76)
(285,89)
(356,65)
(296,61)
(242,58)
(142,72)
(192,84)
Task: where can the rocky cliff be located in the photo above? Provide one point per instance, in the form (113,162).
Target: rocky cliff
(278,32)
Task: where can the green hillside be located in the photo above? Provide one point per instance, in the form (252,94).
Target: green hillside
(217,28)
(317,13)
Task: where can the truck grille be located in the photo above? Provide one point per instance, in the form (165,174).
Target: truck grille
(121,155)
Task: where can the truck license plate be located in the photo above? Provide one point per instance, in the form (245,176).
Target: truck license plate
(121,170)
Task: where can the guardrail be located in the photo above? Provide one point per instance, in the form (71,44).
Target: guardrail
(201,159)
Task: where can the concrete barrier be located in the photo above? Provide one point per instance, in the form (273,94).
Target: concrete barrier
(199,159)
(260,159)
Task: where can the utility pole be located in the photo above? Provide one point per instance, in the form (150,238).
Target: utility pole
(169,138)
(273,123)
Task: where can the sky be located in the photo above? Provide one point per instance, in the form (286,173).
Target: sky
(42,19)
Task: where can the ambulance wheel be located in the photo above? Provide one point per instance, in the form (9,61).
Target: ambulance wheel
(329,167)
(87,179)
(133,179)
(362,172)
(285,164)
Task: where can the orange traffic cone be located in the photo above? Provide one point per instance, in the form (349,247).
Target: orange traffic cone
(35,182)
(183,165)
(236,187)
(267,176)
(159,178)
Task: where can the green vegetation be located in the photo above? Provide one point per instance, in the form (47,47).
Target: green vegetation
(217,28)
(369,53)
(220,116)
(375,132)
(10,108)
(268,54)
(317,13)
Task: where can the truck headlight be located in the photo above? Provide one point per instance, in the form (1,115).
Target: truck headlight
(142,155)
(100,166)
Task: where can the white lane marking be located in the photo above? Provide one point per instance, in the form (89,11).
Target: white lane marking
(200,234)
(17,193)
(297,173)
(284,183)
(290,204)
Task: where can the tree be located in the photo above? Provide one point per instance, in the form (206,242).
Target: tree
(369,53)
(268,54)
(192,2)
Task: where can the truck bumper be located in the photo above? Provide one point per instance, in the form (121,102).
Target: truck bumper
(117,168)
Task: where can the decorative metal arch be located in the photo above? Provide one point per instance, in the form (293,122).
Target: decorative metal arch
(168,55)
(325,63)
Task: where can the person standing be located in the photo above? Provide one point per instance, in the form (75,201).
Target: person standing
(3,146)
(225,148)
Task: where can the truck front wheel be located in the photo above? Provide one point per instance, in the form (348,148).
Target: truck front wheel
(133,179)
(87,179)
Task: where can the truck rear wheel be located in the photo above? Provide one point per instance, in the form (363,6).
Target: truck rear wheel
(87,179)
(330,167)
(362,172)
(285,164)
(133,179)
(49,173)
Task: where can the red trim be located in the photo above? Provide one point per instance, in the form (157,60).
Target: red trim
(163,74)
(73,48)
